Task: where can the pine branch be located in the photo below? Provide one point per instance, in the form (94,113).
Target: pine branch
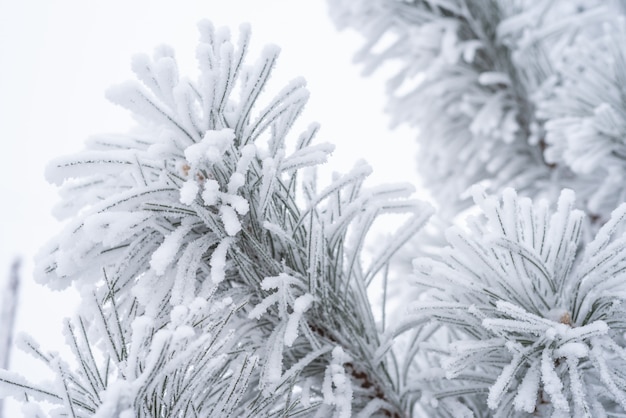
(211,287)
(529,313)
(473,77)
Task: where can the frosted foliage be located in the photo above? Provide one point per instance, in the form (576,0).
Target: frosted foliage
(218,278)
(584,111)
(470,76)
(531,312)
(179,364)
(208,288)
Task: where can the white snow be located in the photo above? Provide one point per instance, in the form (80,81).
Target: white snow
(218,261)
(236,181)
(248,152)
(526,398)
(189,191)
(552,382)
(336,387)
(210,148)
(574,350)
(165,254)
(210,192)
(260,308)
(274,366)
(503,382)
(301,305)
(112,227)
(178,315)
(230,220)
(237,202)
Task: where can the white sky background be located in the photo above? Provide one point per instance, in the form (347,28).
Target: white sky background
(58,57)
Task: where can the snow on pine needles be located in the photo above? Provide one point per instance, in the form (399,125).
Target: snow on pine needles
(530,313)
(216,281)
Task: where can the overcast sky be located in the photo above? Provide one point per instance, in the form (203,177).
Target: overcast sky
(58,57)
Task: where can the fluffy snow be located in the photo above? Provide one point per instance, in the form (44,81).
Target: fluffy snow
(211,148)
(236,181)
(552,383)
(167,251)
(526,398)
(218,261)
(574,350)
(230,220)
(336,387)
(111,228)
(210,192)
(237,202)
(188,192)
(301,305)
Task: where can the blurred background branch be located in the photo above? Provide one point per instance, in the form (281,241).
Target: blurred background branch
(7,321)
